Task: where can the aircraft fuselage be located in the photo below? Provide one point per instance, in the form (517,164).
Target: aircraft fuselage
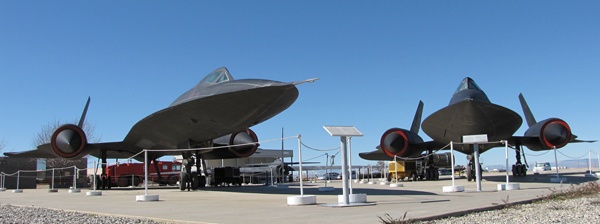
(470,112)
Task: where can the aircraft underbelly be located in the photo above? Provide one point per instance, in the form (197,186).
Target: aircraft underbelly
(471,118)
(211,117)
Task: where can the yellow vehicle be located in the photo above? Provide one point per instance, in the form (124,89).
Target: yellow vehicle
(404,169)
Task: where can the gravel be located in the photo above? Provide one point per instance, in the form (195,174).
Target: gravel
(30,214)
(578,210)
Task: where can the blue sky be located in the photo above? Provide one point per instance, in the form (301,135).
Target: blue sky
(375,61)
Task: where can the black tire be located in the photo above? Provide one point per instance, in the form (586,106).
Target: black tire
(172,180)
(182,181)
(202,181)
(123,181)
(195,181)
(469,173)
(136,181)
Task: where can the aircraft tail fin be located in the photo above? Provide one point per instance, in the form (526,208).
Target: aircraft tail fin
(528,115)
(416,125)
(85,109)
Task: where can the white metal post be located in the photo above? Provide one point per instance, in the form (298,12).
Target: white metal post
(18,178)
(477,170)
(590,160)
(74,178)
(93,176)
(300,163)
(52,178)
(145,172)
(349,140)
(506,150)
(556,163)
(451,160)
(344,171)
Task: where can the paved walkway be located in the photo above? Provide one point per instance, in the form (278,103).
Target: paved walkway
(261,204)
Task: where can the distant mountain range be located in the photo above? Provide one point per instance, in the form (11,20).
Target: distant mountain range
(572,163)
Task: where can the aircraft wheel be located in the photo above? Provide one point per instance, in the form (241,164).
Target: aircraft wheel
(514,170)
(172,180)
(123,181)
(195,181)
(136,181)
(436,174)
(469,173)
(202,181)
(183,181)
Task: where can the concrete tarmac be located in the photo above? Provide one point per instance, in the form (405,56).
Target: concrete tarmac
(263,204)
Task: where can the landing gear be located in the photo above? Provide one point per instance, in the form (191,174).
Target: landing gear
(104,181)
(192,180)
(519,169)
(470,169)
(431,172)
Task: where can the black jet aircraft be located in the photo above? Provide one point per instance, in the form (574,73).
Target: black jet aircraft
(470,112)
(217,112)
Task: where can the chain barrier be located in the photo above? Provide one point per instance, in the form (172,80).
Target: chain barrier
(572,157)
(319,150)
(423,156)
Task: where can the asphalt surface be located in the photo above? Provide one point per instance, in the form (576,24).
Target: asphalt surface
(264,204)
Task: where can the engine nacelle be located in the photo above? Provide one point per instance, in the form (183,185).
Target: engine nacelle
(397,142)
(246,140)
(68,141)
(442,160)
(552,132)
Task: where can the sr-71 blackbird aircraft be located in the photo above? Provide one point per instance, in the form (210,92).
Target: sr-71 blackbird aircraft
(218,111)
(470,112)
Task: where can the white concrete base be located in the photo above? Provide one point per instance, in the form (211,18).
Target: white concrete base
(372,182)
(17,191)
(93,193)
(326,189)
(146,197)
(74,190)
(363,181)
(356,181)
(302,200)
(558,180)
(396,185)
(353,198)
(510,186)
(591,175)
(453,188)
(384,183)
(328,181)
(52,190)
(2,189)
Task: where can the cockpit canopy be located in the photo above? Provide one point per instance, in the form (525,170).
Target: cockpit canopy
(217,76)
(467,83)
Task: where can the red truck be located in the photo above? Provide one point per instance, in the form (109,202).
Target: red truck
(132,174)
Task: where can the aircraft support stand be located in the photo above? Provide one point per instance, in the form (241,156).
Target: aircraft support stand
(477,166)
(557,179)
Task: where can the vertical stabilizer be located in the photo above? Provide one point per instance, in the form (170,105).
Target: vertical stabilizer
(82,119)
(416,125)
(528,115)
